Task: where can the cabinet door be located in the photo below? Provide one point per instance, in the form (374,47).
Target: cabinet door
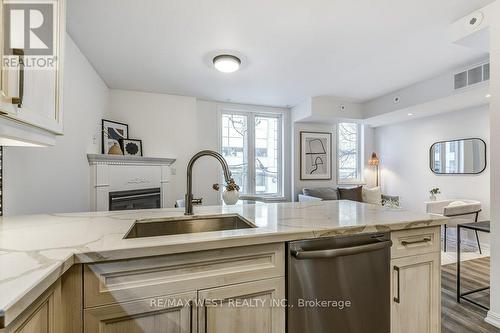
(40,86)
(243,308)
(43,316)
(163,314)
(416,294)
(40,322)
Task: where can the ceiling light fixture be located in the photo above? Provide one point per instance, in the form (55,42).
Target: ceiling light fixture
(411,114)
(227,63)
(488,95)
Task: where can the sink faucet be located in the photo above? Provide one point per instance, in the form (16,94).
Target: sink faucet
(189,194)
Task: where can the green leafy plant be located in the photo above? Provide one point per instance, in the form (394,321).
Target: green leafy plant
(435,191)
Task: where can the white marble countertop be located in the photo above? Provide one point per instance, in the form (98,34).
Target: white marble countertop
(36,250)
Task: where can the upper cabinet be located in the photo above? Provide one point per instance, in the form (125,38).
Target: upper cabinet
(32,40)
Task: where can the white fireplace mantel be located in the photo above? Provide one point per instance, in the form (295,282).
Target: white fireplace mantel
(128,160)
(111,173)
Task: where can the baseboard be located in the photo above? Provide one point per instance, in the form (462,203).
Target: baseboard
(493,319)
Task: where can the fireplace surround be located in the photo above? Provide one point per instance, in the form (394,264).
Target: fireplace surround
(129,182)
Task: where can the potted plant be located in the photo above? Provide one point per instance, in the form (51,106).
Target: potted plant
(434,192)
(231,193)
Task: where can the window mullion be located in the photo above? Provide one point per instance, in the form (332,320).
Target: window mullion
(359,157)
(280,156)
(251,153)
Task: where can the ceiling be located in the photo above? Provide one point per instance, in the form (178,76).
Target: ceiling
(291,49)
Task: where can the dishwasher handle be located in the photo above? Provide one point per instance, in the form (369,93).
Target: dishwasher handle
(342,252)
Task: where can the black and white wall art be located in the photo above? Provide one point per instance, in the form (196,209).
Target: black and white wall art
(315,155)
(112,133)
(131,147)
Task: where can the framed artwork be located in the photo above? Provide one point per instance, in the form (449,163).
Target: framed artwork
(112,133)
(315,155)
(131,147)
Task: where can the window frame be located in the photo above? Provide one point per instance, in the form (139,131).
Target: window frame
(252,180)
(359,151)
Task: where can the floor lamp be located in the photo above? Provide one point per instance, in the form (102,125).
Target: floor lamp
(374,160)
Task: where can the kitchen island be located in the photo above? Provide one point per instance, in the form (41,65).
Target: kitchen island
(81,263)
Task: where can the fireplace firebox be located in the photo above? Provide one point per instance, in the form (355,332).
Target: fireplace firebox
(135,199)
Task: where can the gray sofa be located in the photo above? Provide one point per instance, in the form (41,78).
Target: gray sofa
(332,193)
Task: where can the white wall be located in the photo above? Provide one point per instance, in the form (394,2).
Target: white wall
(404,152)
(56,179)
(494,313)
(433,89)
(368,172)
(299,184)
(178,126)
(321,109)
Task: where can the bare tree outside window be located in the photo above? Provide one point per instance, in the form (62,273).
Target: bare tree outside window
(251,144)
(235,147)
(348,152)
(267,152)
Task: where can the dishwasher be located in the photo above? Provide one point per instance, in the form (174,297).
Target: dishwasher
(339,284)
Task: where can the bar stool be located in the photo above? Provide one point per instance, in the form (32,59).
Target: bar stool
(459,211)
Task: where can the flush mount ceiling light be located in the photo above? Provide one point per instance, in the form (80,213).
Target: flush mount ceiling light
(411,114)
(488,95)
(227,63)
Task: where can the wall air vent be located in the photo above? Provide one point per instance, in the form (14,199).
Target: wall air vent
(472,76)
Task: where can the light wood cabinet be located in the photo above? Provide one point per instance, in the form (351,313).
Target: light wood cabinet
(127,280)
(416,289)
(243,308)
(237,289)
(41,322)
(413,242)
(43,316)
(224,290)
(32,94)
(172,314)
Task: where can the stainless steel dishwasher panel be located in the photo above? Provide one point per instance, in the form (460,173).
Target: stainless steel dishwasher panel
(339,285)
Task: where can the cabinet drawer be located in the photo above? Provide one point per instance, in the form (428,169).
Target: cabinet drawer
(415,241)
(121,281)
(175,313)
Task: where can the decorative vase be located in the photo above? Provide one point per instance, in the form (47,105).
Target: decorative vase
(115,150)
(433,197)
(230,197)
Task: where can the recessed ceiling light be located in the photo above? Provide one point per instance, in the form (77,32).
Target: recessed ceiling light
(411,114)
(227,63)
(488,95)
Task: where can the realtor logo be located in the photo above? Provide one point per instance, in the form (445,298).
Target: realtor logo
(29,27)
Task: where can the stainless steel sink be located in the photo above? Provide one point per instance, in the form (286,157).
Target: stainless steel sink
(186,225)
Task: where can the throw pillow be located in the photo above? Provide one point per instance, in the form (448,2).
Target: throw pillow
(353,193)
(372,195)
(325,193)
(390,200)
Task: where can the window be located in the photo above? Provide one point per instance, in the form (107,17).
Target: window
(252,145)
(349,152)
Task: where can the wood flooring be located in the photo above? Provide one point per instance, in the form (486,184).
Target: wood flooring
(464,317)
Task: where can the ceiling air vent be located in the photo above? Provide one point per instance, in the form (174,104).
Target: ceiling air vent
(472,76)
